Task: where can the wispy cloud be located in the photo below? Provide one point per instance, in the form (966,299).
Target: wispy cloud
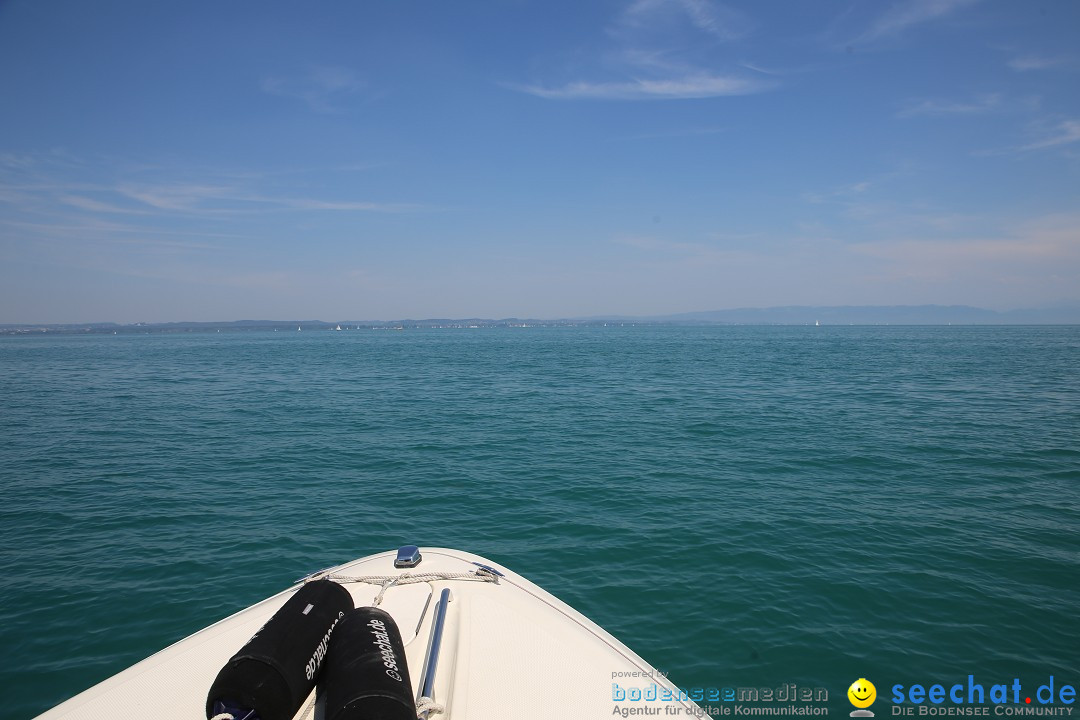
(1025,63)
(686,132)
(662,50)
(997,265)
(937,108)
(18,161)
(89,230)
(1066,132)
(712,18)
(939,257)
(651,243)
(33,161)
(1039,242)
(117,209)
(1060,134)
(839,194)
(357,206)
(854,192)
(324,89)
(903,16)
(182,197)
(84,203)
(231,200)
(782,71)
(166,198)
(682,88)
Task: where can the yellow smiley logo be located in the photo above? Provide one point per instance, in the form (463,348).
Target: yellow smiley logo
(862,693)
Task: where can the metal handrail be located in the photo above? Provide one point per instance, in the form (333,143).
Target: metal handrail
(427,685)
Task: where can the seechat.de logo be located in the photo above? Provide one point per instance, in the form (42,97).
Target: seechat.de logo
(862,694)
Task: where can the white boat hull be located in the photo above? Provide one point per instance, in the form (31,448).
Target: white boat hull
(509,649)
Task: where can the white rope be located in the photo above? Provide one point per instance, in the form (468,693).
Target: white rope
(310,707)
(230,716)
(426,706)
(385,586)
(407,578)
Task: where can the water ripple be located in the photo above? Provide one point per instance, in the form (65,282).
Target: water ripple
(742,506)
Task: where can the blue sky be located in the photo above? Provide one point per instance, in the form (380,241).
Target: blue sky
(384,160)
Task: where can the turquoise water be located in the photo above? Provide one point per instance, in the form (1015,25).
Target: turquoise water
(740,505)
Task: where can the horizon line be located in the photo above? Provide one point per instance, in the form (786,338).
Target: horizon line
(696,315)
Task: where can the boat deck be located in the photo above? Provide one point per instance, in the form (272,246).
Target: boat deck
(509,649)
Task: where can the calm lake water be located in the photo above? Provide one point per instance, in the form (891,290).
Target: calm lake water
(740,505)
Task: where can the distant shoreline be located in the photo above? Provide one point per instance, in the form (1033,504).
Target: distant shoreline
(902,315)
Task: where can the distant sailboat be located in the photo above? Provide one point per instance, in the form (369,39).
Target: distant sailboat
(297,328)
(338,327)
(817,323)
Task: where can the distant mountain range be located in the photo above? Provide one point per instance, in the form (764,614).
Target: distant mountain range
(883,315)
(787,315)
